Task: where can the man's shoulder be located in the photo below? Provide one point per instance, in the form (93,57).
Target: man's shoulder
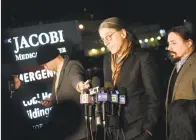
(192,60)
(74,65)
(194,56)
(68,61)
(74,62)
(107,55)
(141,52)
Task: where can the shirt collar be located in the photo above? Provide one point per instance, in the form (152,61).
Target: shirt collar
(181,62)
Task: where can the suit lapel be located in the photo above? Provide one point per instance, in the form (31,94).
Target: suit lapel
(110,70)
(166,102)
(183,70)
(126,66)
(168,87)
(62,72)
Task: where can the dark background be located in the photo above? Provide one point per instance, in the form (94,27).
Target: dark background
(164,12)
(21,13)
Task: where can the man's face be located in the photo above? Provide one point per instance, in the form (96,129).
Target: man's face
(112,39)
(51,65)
(177,46)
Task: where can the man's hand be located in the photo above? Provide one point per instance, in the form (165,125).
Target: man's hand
(82,85)
(17,82)
(46,102)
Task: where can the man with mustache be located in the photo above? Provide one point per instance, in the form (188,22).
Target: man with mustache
(181,93)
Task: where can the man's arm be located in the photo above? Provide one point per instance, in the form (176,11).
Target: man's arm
(107,69)
(151,82)
(194,85)
(77,76)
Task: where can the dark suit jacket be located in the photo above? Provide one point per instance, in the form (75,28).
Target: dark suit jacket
(182,120)
(140,78)
(72,72)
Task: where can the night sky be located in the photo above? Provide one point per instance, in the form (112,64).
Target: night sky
(20,13)
(167,13)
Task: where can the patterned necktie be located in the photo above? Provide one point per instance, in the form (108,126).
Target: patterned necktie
(116,67)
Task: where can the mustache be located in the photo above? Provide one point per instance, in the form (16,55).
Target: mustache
(172,52)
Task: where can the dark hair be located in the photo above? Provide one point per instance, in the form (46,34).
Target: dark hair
(185,31)
(114,23)
(118,24)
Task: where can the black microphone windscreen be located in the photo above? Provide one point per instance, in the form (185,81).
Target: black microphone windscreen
(95,81)
(102,89)
(108,85)
(122,90)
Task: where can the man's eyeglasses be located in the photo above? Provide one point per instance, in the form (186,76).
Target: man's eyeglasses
(107,38)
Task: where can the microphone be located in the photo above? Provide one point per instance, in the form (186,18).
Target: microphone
(122,99)
(113,95)
(90,109)
(94,91)
(114,102)
(95,82)
(103,97)
(97,114)
(95,85)
(85,99)
(108,85)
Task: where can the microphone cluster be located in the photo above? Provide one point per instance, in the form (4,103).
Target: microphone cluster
(102,102)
